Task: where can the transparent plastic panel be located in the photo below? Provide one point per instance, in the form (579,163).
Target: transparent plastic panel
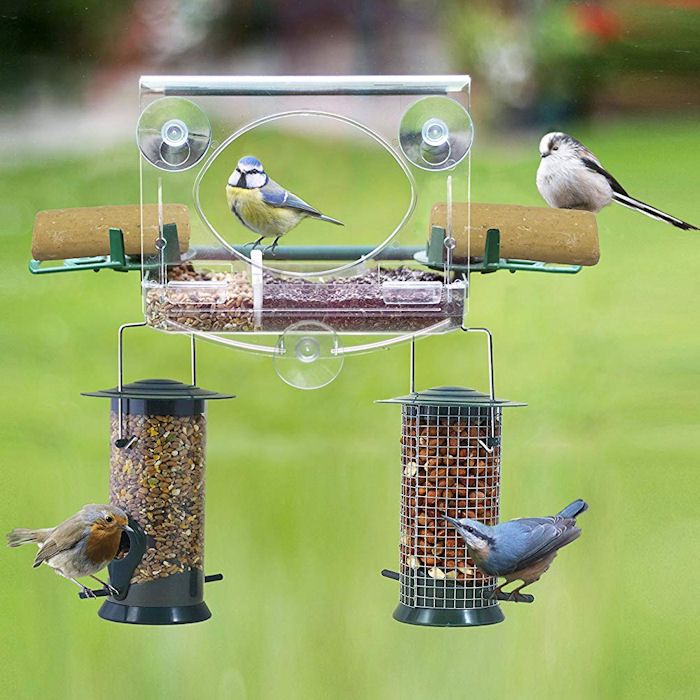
(308,200)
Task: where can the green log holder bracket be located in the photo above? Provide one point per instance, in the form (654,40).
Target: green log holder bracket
(117,259)
(434,257)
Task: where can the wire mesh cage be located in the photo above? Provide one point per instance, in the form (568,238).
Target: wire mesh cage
(157,475)
(450,465)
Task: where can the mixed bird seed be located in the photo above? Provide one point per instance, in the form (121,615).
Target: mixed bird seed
(225,306)
(353,303)
(159,481)
(448,468)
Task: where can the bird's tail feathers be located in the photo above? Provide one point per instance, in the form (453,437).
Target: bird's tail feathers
(21,535)
(323,217)
(573,510)
(632,203)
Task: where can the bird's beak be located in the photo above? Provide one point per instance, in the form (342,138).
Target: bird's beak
(129,529)
(450,520)
(544,155)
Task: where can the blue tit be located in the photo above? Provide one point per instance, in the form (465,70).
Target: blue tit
(262,205)
(520,549)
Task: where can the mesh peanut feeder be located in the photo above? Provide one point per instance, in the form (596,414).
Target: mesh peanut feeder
(450,465)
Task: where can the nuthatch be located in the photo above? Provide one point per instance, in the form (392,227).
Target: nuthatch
(81,546)
(571,177)
(262,205)
(520,549)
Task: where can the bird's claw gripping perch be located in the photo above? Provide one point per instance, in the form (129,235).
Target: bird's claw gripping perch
(271,248)
(254,244)
(88,593)
(511,597)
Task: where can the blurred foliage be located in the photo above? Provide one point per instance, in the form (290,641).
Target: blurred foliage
(544,61)
(659,38)
(50,46)
(541,60)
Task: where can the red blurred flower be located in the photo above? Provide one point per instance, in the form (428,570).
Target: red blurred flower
(596,20)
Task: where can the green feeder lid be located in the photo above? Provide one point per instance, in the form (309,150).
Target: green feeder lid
(158,390)
(450,396)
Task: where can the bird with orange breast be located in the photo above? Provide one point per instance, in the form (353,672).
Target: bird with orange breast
(81,546)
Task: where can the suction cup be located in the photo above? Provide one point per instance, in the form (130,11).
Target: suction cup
(173,133)
(307,358)
(436,133)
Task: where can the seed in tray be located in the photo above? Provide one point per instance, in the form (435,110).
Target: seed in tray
(353,303)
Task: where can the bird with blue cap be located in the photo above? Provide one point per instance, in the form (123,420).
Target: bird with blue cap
(264,206)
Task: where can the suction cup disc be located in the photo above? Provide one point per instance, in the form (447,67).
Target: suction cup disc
(307,358)
(436,133)
(173,133)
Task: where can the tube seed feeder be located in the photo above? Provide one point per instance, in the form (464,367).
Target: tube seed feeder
(157,475)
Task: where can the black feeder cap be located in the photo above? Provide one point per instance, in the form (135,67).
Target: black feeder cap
(451,400)
(159,396)
(450,396)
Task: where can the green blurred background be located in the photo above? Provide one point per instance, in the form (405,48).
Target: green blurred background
(303,487)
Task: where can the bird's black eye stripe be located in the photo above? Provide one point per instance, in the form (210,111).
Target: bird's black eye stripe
(253,172)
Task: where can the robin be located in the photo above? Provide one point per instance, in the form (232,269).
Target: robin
(81,546)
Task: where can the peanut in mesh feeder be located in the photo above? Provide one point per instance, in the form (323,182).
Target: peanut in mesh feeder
(450,465)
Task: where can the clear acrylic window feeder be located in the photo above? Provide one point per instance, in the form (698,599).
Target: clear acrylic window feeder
(374,153)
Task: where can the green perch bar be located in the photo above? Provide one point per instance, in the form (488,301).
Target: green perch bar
(431,256)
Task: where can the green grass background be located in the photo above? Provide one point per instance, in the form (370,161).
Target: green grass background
(303,487)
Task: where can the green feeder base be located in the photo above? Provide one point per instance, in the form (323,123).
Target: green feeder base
(441,617)
(151,615)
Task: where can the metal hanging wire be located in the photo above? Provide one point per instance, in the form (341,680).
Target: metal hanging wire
(126,442)
(492,391)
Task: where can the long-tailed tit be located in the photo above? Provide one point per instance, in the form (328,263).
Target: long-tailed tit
(571,177)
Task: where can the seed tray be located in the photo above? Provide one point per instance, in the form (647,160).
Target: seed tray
(381,300)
